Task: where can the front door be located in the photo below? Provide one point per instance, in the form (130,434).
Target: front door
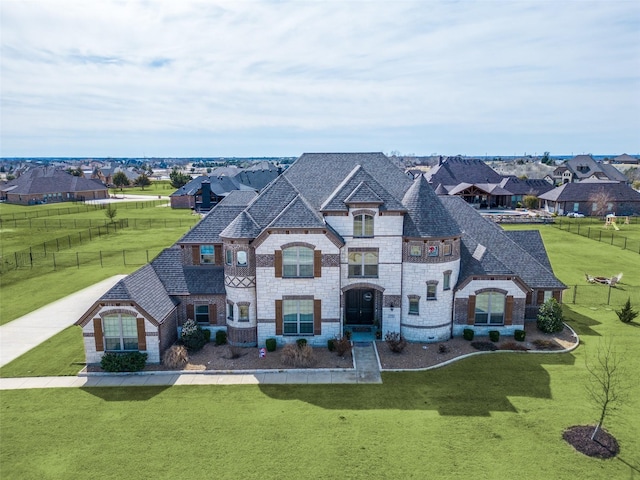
(360,305)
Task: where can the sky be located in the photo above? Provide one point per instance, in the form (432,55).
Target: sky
(278,78)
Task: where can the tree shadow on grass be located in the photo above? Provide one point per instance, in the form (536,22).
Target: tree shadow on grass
(581,324)
(475,386)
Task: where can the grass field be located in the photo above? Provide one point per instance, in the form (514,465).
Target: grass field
(492,416)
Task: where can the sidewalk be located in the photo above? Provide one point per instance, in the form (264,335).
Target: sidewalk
(24,333)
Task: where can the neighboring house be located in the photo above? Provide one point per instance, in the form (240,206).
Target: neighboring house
(48,185)
(480,185)
(222,181)
(105,174)
(589,196)
(626,159)
(338,242)
(582,167)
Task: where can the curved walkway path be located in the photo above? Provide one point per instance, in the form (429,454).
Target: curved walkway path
(22,334)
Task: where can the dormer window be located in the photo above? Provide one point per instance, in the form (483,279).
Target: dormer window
(363,225)
(207,254)
(297,262)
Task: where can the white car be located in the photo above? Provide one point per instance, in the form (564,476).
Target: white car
(575,215)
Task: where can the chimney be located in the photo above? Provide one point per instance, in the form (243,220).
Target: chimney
(206,195)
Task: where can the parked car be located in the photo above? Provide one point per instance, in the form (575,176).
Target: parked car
(575,214)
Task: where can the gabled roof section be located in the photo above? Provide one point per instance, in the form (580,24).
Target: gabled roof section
(298,214)
(503,255)
(318,175)
(180,280)
(271,201)
(243,226)
(360,183)
(455,170)
(209,228)
(426,216)
(49,180)
(582,191)
(363,194)
(144,288)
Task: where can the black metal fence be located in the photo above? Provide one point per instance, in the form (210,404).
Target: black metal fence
(597,294)
(597,232)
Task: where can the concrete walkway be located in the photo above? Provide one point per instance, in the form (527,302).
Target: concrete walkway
(367,365)
(24,333)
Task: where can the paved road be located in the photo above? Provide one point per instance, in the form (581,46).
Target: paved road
(24,333)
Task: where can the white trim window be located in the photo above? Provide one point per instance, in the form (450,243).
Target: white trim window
(363,263)
(241,258)
(297,317)
(297,262)
(120,332)
(363,225)
(490,308)
(201,312)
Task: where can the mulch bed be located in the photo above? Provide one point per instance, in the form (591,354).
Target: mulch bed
(604,445)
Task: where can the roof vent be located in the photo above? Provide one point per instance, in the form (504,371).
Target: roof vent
(479,253)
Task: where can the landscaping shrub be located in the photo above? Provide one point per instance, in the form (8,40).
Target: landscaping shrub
(494,335)
(342,345)
(484,346)
(442,348)
(123,362)
(175,356)
(301,342)
(271,344)
(221,337)
(626,314)
(192,336)
(512,346)
(519,335)
(395,341)
(207,335)
(468,334)
(298,357)
(550,317)
(331,345)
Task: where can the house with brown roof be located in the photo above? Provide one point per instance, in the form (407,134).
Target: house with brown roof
(587,197)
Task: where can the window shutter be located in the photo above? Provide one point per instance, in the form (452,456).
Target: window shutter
(213,314)
(317,263)
(540,297)
(317,317)
(471,310)
(278,317)
(142,335)
(529,298)
(97,332)
(217,250)
(190,312)
(557,294)
(195,254)
(508,311)
(277,263)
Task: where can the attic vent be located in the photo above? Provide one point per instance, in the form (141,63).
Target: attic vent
(479,253)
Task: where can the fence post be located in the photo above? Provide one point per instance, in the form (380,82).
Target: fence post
(54,261)
(578,229)
(609,296)
(611,239)
(625,243)
(100,258)
(589,232)
(147,256)
(575,292)
(600,236)
(78,259)
(124,258)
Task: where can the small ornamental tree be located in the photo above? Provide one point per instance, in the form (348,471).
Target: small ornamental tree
(120,180)
(110,212)
(142,181)
(192,336)
(550,317)
(530,201)
(626,314)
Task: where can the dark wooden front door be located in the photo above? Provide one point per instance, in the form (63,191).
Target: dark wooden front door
(360,307)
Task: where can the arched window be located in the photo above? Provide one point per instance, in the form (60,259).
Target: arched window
(297,262)
(490,308)
(363,225)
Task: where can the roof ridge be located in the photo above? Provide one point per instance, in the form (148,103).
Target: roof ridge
(341,185)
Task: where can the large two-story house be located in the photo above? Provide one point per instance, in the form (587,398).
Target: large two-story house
(337,242)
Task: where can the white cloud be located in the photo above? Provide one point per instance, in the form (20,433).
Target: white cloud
(106,73)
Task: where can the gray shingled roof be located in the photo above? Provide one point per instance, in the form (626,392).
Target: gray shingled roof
(204,280)
(359,179)
(529,186)
(243,226)
(145,288)
(298,214)
(426,215)
(583,191)
(49,180)
(221,186)
(455,170)
(219,217)
(271,201)
(503,254)
(317,175)
(181,280)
